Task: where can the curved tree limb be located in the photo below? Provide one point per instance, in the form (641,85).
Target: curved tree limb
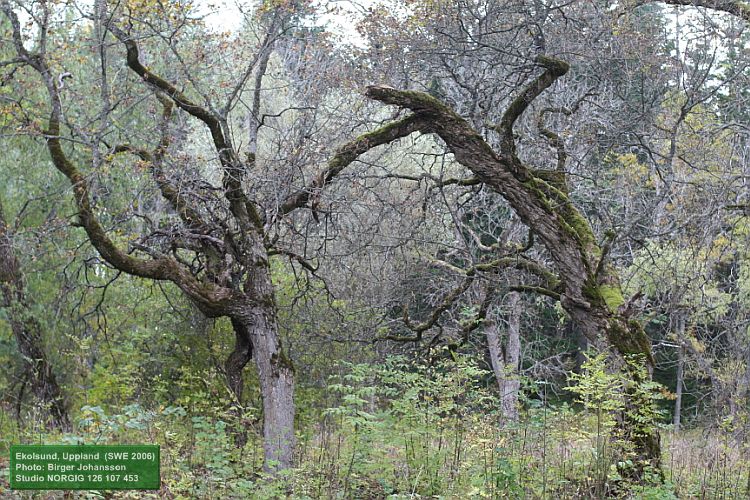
(168,190)
(737,8)
(541,206)
(346,154)
(246,213)
(554,138)
(554,69)
(446,303)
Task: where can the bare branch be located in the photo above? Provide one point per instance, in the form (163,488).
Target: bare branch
(554,69)
(346,154)
(446,303)
(536,290)
(209,297)
(246,213)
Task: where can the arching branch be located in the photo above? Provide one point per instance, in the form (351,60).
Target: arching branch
(346,154)
(735,7)
(154,160)
(554,69)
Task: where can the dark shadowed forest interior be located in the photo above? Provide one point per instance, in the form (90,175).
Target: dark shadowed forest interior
(380,249)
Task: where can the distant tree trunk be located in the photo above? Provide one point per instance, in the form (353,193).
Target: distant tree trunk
(744,396)
(680,330)
(28,332)
(495,352)
(496,359)
(505,361)
(512,358)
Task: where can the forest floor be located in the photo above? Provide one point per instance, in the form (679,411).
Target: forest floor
(557,455)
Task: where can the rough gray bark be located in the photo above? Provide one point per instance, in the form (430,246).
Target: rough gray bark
(234,245)
(496,353)
(276,375)
(505,360)
(28,332)
(512,358)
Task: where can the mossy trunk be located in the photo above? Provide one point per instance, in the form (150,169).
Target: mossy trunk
(604,323)
(587,287)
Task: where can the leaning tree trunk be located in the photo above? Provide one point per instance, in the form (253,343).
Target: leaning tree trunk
(27,331)
(586,285)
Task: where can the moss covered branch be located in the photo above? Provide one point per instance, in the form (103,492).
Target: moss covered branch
(348,153)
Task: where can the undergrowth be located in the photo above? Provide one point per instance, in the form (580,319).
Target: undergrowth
(411,430)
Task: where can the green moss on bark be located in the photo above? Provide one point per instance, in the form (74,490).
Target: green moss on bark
(556,201)
(554,178)
(629,337)
(612,296)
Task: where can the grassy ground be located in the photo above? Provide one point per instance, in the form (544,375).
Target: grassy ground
(550,454)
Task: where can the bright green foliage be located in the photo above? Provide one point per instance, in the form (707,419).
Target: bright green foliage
(404,429)
(644,410)
(596,387)
(602,393)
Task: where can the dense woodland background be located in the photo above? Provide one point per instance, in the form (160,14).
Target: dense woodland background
(435,249)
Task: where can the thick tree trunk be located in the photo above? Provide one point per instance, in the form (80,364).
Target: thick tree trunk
(28,332)
(257,338)
(276,375)
(626,337)
(258,321)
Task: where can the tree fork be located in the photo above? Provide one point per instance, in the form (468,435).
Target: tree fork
(234,365)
